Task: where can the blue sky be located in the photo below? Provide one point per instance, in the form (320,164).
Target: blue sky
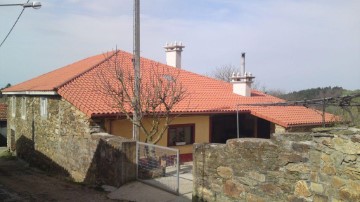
(290,45)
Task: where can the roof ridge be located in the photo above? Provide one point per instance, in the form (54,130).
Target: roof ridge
(87,70)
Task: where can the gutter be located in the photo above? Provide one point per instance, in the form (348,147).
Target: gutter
(30,93)
(113,115)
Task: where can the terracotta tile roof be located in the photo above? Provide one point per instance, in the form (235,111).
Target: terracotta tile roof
(290,116)
(54,79)
(78,84)
(3,112)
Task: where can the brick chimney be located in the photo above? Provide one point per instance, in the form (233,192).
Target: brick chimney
(173,54)
(242,81)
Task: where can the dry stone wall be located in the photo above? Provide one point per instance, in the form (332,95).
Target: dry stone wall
(317,166)
(63,142)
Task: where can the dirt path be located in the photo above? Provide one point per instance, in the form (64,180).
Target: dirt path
(18,182)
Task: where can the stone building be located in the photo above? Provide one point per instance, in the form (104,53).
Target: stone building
(54,111)
(50,133)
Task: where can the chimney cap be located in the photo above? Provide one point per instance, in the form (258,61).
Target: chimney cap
(171,46)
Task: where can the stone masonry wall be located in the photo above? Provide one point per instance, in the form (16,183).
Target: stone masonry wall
(318,166)
(62,142)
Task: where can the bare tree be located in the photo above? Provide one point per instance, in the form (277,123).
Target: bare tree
(160,91)
(257,85)
(224,72)
(276,92)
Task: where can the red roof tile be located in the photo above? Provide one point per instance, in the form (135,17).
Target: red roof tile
(54,79)
(3,112)
(77,83)
(289,116)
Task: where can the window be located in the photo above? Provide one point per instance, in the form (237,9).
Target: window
(181,134)
(23,107)
(13,106)
(43,107)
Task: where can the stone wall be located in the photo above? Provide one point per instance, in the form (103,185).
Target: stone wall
(62,142)
(281,129)
(318,166)
(113,162)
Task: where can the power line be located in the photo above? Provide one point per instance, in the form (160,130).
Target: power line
(13,25)
(341,101)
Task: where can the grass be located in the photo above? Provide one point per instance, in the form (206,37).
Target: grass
(7,155)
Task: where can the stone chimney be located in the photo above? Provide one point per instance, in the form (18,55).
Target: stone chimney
(242,81)
(173,54)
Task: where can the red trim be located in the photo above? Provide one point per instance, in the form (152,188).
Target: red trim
(186,157)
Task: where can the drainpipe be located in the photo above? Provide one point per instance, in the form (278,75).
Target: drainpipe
(237,121)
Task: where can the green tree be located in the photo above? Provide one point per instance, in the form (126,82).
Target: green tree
(6,86)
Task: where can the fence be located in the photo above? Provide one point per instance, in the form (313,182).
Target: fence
(158,166)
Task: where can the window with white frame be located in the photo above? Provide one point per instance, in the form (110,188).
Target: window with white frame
(13,106)
(43,107)
(23,107)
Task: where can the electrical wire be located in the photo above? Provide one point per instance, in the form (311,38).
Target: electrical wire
(13,26)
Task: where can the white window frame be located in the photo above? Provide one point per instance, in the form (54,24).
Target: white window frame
(23,108)
(43,107)
(13,106)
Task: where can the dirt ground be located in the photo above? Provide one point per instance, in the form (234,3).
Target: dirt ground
(19,182)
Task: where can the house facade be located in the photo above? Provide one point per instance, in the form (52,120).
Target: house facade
(66,105)
(50,129)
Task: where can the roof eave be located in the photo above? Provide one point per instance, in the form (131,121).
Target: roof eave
(270,119)
(210,112)
(310,124)
(30,93)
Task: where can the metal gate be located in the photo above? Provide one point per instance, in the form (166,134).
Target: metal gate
(158,166)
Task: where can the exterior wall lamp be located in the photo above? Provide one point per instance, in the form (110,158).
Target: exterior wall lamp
(34,4)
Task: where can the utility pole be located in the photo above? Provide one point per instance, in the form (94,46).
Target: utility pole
(136,62)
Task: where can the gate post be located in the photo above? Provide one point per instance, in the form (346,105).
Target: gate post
(137,159)
(178,171)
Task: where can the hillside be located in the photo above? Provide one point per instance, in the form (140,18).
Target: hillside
(314,93)
(350,115)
